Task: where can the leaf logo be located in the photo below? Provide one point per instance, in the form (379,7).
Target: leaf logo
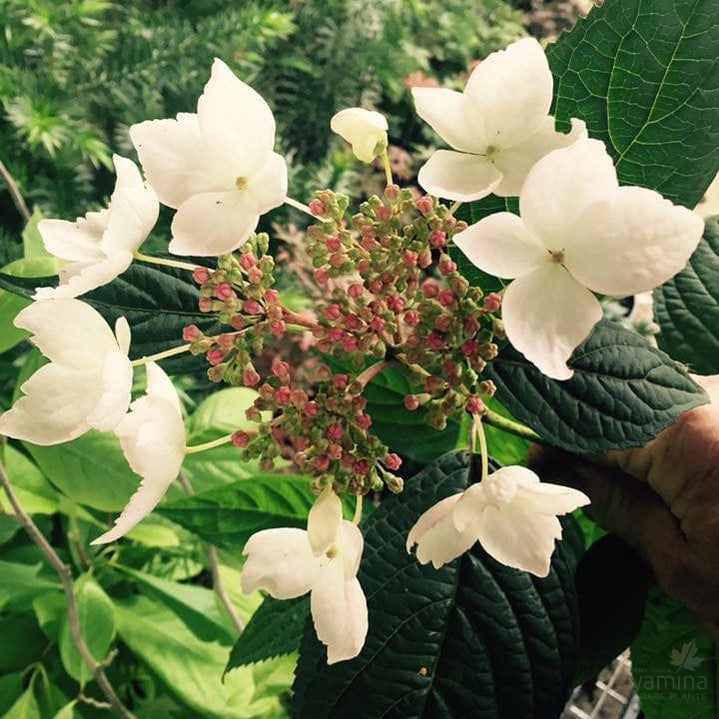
(686,658)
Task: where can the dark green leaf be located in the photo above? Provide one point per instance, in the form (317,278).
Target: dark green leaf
(473,639)
(22,582)
(227,516)
(687,307)
(157,302)
(643,75)
(623,392)
(275,629)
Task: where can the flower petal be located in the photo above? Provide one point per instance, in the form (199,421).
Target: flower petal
(280,561)
(454,116)
(351,544)
(458,176)
(77,241)
(178,162)
(437,539)
(116,388)
(77,278)
(235,117)
(513,87)
(55,407)
(123,334)
(516,161)
(363,129)
(561,186)
(550,499)
(339,613)
(639,243)
(546,315)
(268,187)
(69,332)
(213,223)
(324,521)
(501,245)
(518,538)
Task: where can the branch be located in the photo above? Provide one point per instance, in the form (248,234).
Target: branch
(65,574)
(217,582)
(15,192)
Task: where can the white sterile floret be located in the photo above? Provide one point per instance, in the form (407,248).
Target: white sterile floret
(511,514)
(87,383)
(579,232)
(323,560)
(499,126)
(98,247)
(365,130)
(152,436)
(216,167)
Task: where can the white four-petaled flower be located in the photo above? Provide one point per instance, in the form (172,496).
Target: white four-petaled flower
(216,167)
(87,383)
(152,436)
(99,247)
(323,560)
(499,126)
(578,231)
(365,130)
(511,513)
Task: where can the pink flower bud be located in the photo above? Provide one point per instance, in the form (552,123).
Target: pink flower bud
(191,333)
(469,348)
(298,398)
(254,275)
(361,467)
(340,381)
(240,438)
(280,369)
(277,328)
(377,324)
(272,296)
(336,334)
(250,378)
(384,213)
(205,304)
(435,342)
(252,307)
(376,286)
(443,323)
(334,431)
(321,276)
(424,259)
(446,298)
(355,290)
(471,326)
(238,322)
(349,344)
(391,192)
(411,318)
(215,355)
(311,410)
(438,239)
(200,275)
(411,402)
(475,405)
(336,260)
(430,288)
(266,391)
(410,258)
(392,461)
(363,421)
(317,207)
(321,463)
(224,292)
(447,266)
(425,204)
(282,395)
(363,267)
(247,260)
(334,451)
(368,243)
(333,311)
(333,243)
(352,322)
(492,302)
(395,303)
(432,384)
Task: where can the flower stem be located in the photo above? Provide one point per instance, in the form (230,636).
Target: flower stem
(371,372)
(208,445)
(453,208)
(507,425)
(358,510)
(299,206)
(161,355)
(163,261)
(478,431)
(387,167)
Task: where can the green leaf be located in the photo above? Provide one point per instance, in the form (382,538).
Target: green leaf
(157,302)
(221,413)
(35,493)
(643,75)
(191,669)
(97,625)
(274,630)
(473,639)
(403,431)
(32,243)
(623,392)
(26,707)
(22,582)
(687,307)
(503,447)
(11,687)
(227,516)
(67,712)
(22,641)
(674,663)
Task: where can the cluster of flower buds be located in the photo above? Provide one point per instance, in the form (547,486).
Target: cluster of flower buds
(329,432)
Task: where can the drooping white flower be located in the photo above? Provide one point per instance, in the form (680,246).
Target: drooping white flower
(99,246)
(323,560)
(365,130)
(499,126)
(152,436)
(578,231)
(511,513)
(87,383)
(216,167)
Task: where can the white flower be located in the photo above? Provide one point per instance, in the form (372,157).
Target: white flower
(578,231)
(99,246)
(511,513)
(365,130)
(499,126)
(87,383)
(152,436)
(322,560)
(216,167)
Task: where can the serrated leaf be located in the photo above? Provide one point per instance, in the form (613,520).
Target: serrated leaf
(687,307)
(623,392)
(157,302)
(674,662)
(473,639)
(275,629)
(228,515)
(643,75)
(97,625)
